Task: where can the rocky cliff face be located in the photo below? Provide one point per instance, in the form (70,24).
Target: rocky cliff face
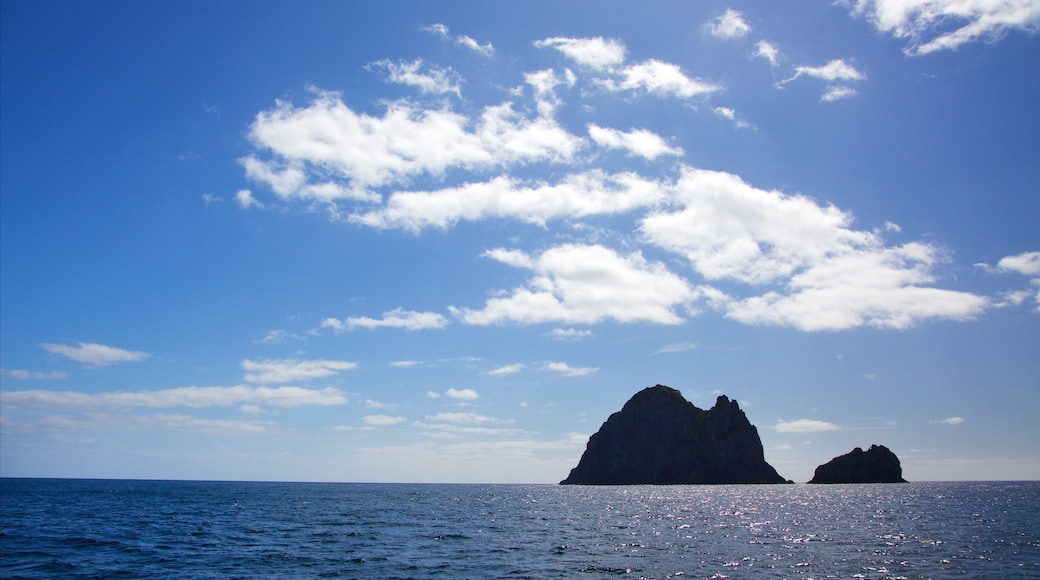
(875,465)
(659,437)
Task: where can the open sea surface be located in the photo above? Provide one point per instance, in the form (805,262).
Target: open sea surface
(55,528)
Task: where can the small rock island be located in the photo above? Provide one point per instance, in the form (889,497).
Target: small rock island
(875,465)
(660,438)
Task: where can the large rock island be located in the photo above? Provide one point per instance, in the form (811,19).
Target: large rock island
(875,465)
(659,437)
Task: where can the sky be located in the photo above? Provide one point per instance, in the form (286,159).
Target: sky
(444,241)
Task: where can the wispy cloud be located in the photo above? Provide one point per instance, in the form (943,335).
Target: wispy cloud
(567,370)
(1027,263)
(26,375)
(677,347)
(382,420)
(195,397)
(442,31)
(244,198)
(95,355)
(934,25)
(569,334)
(948,421)
(834,71)
(466,418)
(837,93)
(280,371)
(804,426)
(397,318)
(659,78)
(462,394)
(435,80)
(767,50)
(506,369)
(641,142)
(730,24)
(597,53)
(730,114)
(485,49)
(576,195)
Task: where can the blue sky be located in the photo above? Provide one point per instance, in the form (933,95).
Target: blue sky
(416,241)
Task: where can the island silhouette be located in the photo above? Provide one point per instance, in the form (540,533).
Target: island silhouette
(660,438)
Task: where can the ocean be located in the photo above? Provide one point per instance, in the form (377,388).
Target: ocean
(55,528)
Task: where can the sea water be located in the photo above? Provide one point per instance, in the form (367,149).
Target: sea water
(52,528)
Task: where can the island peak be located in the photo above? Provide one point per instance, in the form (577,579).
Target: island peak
(658,437)
(875,465)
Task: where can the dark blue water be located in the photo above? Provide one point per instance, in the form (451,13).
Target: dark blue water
(165,529)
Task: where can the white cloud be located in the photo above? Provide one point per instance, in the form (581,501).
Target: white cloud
(209,199)
(1027,263)
(277,336)
(280,371)
(949,421)
(804,426)
(677,347)
(244,198)
(382,420)
(834,277)
(729,229)
(544,83)
(506,369)
(730,114)
(405,363)
(567,370)
(25,375)
(659,78)
(569,334)
(730,24)
(835,70)
(880,287)
(435,81)
(433,395)
(768,51)
(470,418)
(607,56)
(836,93)
(596,53)
(933,25)
(577,195)
(484,49)
(349,153)
(441,30)
(641,142)
(165,421)
(397,318)
(95,355)
(196,397)
(583,284)
(437,29)
(187,423)
(462,394)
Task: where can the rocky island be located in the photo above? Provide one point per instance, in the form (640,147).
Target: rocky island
(659,437)
(875,465)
